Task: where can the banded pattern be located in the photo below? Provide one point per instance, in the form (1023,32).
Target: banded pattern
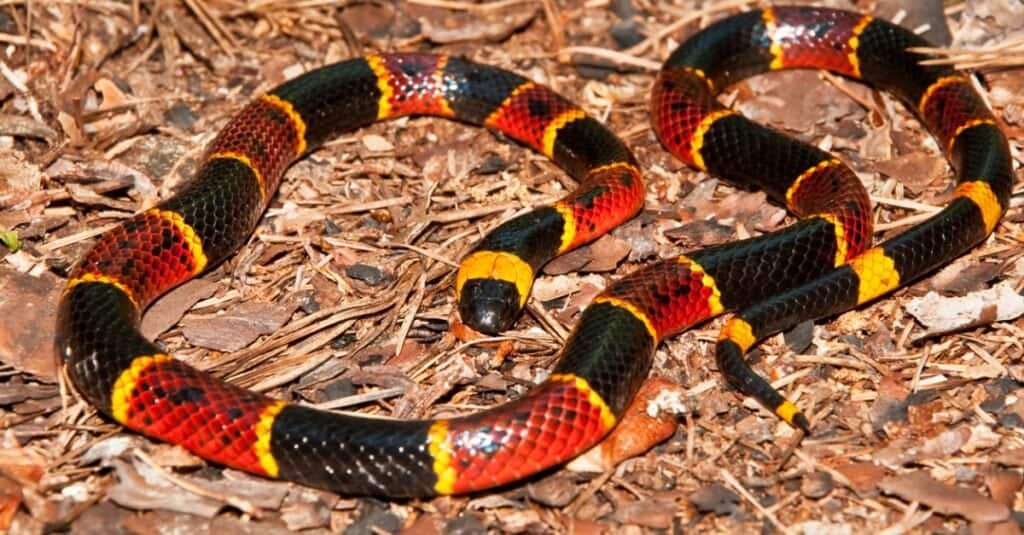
(822,265)
(132,381)
(692,125)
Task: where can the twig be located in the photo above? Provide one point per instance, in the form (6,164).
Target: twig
(467,6)
(414,306)
(22,40)
(646,44)
(213,26)
(359,399)
(551,14)
(735,484)
(620,58)
(49,247)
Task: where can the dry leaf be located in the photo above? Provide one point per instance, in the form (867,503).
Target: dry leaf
(651,417)
(946,499)
(945,314)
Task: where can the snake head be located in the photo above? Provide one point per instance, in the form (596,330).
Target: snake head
(489,305)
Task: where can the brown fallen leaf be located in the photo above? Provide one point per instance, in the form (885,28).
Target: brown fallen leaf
(1009,457)
(649,513)
(1003,486)
(238,326)
(602,255)
(140,486)
(169,309)
(945,314)
(863,477)
(915,170)
(606,253)
(494,29)
(28,306)
(20,470)
(964,276)
(650,418)
(946,499)
(556,491)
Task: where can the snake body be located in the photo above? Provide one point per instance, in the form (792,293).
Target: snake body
(820,266)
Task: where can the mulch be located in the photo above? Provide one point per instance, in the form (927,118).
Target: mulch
(343,298)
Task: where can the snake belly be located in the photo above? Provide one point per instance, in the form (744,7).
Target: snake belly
(822,265)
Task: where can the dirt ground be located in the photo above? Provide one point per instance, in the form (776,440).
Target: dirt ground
(343,297)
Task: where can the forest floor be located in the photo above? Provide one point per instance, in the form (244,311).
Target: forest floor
(343,297)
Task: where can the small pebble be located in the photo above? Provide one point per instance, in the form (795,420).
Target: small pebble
(369,274)
(799,338)
(595,70)
(464,524)
(330,227)
(817,485)
(491,165)
(626,33)
(309,304)
(342,388)
(181,116)
(715,499)
(623,9)
(374,523)
(1011,420)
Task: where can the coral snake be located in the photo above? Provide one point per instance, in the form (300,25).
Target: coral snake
(821,266)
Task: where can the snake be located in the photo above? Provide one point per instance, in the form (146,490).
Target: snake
(820,266)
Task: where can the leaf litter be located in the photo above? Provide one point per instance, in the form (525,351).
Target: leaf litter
(917,400)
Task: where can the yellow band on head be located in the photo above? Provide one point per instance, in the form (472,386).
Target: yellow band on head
(496,265)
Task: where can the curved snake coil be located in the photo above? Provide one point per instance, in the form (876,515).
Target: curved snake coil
(818,267)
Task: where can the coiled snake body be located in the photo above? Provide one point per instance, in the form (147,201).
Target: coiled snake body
(822,265)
